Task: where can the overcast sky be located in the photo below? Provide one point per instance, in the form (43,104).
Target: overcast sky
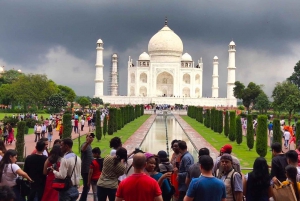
(58,37)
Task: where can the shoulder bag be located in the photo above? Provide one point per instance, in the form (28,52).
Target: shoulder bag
(283,192)
(23,184)
(63,184)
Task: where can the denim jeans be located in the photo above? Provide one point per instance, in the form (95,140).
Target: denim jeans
(86,188)
(94,188)
(103,193)
(18,194)
(49,137)
(69,195)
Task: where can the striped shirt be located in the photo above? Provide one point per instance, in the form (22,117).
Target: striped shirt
(110,173)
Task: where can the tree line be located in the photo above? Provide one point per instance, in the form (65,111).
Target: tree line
(228,123)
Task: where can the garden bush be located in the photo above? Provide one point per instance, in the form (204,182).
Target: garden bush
(20,142)
(67,126)
(31,122)
(298,130)
(105,125)
(98,126)
(10,120)
(220,122)
(201,115)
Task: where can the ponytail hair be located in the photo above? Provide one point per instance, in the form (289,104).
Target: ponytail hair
(120,154)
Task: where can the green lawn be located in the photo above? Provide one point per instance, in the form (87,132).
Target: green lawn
(124,134)
(241,151)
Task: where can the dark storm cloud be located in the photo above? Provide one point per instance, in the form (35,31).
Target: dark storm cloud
(29,29)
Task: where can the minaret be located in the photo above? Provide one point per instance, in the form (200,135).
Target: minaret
(114,75)
(231,70)
(215,79)
(99,70)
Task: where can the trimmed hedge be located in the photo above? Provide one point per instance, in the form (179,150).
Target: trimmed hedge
(201,114)
(220,122)
(238,130)
(261,136)
(232,126)
(208,118)
(277,134)
(110,129)
(250,132)
(105,125)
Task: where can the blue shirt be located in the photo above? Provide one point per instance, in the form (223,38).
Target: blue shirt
(186,161)
(270,126)
(206,189)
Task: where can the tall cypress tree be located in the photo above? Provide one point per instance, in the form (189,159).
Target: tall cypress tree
(250,132)
(110,129)
(20,142)
(220,122)
(216,121)
(298,131)
(201,115)
(226,124)
(98,126)
(277,134)
(232,126)
(212,118)
(208,118)
(261,136)
(238,130)
(105,125)
(67,126)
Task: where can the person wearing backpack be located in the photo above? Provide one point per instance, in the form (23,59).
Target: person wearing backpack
(231,178)
(95,170)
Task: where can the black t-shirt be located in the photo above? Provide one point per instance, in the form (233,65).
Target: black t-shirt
(279,163)
(34,166)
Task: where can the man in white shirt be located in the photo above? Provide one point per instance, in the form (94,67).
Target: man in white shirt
(69,162)
(82,123)
(287,137)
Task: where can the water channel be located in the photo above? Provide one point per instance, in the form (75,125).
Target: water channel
(156,138)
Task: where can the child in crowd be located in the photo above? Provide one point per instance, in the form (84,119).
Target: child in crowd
(95,170)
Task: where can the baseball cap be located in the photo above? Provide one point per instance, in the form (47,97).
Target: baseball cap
(227,148)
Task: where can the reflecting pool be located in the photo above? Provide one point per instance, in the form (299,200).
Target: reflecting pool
(156,138)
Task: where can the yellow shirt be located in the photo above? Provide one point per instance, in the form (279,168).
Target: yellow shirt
(288,182)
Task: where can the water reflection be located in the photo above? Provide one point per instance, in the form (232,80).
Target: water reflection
(156,137)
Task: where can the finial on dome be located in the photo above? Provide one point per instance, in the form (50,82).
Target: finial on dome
(166,21)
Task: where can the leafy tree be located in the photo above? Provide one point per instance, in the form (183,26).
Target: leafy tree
(261,136)
(226,124)
(67,126)
(277,134)
(250,132)
(262,103)
(105,125)
(57,101)
(67,93)
(238,130)
(37,88)
(232,126)
(286,97)
(248,94)
(98,126)
(97,101)
(295,77)
(20,142)
(83,102)
(9,76)
(6,94)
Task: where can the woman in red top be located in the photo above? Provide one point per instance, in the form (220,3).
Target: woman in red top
(95,170)
(54,161)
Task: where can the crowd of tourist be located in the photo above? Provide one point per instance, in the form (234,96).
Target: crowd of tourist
(143,176)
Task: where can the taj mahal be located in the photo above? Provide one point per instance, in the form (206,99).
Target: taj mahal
(164,75)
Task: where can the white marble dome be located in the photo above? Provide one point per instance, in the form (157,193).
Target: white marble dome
(165,43)
(99,41)
(115,55)
(232,43)
(144,56)
(216,57)
(186,57)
